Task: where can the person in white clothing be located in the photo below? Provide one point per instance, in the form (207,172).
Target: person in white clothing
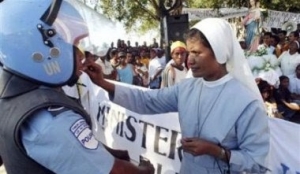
(162,57)
(175,71)
(267,43)
(155,69)
(290,59)
(108,70)
(294,85)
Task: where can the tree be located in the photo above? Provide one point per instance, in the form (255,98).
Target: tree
(279,5)
(138,15)
(282,5)
(143,15)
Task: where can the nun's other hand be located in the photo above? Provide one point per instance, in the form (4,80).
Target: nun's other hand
(196,146)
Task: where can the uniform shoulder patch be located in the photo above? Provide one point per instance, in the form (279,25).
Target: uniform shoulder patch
(81,130)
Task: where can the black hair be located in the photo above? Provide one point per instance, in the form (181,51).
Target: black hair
(107,56)
(113,53)
(263,86)
(283,32)
(268,34)
(197,34)
(298,66)
(295,33)
(281,78)
(137,55)
(276,38)
(87,53)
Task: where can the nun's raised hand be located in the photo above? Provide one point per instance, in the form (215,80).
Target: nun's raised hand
(94,71)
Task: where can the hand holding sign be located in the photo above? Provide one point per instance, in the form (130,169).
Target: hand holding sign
(146,166)
(123,155)
(120,154)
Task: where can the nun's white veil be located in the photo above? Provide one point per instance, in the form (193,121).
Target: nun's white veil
(228,50)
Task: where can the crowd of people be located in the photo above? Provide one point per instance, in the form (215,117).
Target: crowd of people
(281,89)
(144,66)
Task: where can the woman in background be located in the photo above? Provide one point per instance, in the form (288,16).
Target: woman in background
(175,70)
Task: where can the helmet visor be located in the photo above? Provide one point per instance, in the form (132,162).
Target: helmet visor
(84,27)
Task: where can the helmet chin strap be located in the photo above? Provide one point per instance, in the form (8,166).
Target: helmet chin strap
(73,80)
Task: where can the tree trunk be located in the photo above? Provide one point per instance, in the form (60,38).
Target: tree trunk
(162,33)
(162,14)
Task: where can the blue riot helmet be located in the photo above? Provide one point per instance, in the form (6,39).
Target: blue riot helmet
(37,39)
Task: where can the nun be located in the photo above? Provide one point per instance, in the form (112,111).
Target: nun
(222,117)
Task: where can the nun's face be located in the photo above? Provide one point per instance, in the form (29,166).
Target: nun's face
(202,60)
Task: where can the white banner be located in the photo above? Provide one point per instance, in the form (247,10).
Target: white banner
(277,18)
(157,137)
(284,156)
(226,13)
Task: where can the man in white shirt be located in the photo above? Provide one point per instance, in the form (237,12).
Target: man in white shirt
(155,69)
(294,85)
(162,57)
(267,43)
(290,59)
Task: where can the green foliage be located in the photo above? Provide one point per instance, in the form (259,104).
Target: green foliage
(217,3)
(201,3)
(144,15)
(136,15)
(283,5)
(280,5)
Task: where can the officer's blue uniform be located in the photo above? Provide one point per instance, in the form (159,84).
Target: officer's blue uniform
(64,144)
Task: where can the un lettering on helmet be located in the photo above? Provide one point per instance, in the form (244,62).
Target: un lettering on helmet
(38,39)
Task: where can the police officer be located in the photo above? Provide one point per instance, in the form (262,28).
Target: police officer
(41,129)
